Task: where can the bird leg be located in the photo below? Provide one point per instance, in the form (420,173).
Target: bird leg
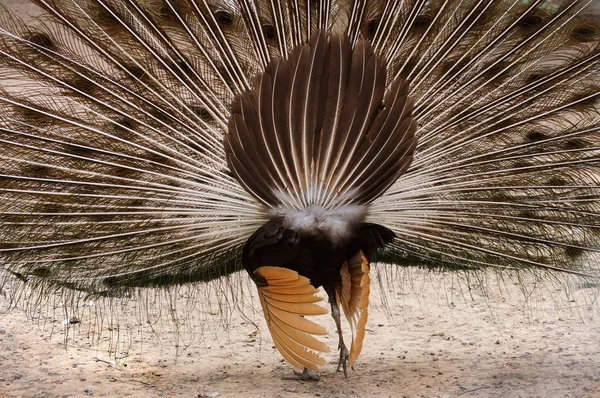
(344,353)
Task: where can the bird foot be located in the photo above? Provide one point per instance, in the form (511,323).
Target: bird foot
(343,362)
(305,375)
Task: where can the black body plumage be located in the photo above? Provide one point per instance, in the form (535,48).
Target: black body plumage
(314,256)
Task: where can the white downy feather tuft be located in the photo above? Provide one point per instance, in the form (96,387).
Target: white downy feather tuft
(337,225)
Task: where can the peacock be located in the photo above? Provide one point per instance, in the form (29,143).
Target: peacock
(147,144)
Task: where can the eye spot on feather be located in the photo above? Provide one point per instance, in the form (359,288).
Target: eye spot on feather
(497,72)
(41,40)
(42,272)
(159,117)
(135,203)
(522,164)
(590,197)
(203,114)
(422,21)
(172,10)
(586,33)
(531,21)
(408,67)
(587,99)
(83,85)
(124,172)
(454,65)
(38,171)
(158,158)
(575,143)
(536,136)
(528,214)
(106,19)
(185,66)
(269,32)
(101,217)
(35,117)
(135,71)
(50,208)
(463,112)
(79,150)
(371,28)
(502,125)
(499,196)
(556,182)
(195,146)
(573,252)
(110,281)
(534,78)
(8,245)
(181,68)
(227,80)
(5,181)
(224,18)
(124,129)
(126,124)
(165,12)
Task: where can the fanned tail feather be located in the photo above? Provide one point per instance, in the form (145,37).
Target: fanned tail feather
(506,172)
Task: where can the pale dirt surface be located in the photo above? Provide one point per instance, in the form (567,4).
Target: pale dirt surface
(435,342)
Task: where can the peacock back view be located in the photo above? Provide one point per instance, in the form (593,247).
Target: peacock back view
(148,144)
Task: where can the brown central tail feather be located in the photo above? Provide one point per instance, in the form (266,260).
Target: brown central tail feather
(353,296)
(322,127)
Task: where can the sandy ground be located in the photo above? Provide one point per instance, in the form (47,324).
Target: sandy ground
(434,341)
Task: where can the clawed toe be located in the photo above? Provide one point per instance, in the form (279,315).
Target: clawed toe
(343,362)
(305,375)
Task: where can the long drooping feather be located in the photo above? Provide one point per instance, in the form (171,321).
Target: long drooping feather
(126,160)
